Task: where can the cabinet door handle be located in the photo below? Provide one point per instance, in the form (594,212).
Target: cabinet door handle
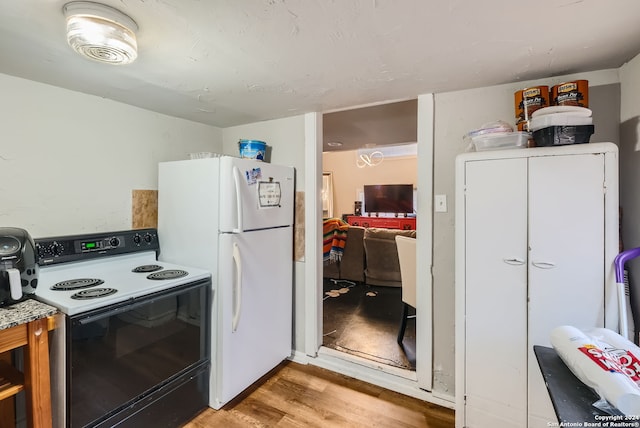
(514,261)
(544,265)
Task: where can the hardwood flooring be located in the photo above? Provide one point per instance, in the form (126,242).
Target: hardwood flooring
(296,395)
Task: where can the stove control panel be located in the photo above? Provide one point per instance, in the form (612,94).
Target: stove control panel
(62,249)
(98,244)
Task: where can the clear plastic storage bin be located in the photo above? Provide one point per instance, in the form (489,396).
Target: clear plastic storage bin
(500,140)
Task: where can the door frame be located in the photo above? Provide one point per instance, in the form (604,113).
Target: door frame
(313,241)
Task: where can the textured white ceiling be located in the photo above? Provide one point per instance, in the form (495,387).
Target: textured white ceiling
(226,62)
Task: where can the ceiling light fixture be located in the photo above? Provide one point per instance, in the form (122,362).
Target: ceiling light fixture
(366,158)
(100,32)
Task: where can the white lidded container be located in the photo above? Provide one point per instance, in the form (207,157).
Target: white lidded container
(560,116)
(561,125)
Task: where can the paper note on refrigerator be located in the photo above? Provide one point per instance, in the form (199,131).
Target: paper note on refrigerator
(269,194)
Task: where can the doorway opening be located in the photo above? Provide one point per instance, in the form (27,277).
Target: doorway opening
(362,293)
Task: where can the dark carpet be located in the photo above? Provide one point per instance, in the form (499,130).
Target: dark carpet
(364,320)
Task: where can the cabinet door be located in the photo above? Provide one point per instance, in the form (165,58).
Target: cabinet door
(566,269)
(495,293)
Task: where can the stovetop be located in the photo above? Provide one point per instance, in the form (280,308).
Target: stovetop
(121,272)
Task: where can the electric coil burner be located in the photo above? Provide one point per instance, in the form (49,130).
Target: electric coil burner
(136,333)
(93,293)
(76,284)
(167,274)
(146,268)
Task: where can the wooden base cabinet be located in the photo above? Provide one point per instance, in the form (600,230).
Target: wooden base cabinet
(536,236)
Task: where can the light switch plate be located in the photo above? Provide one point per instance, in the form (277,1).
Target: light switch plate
(440,202)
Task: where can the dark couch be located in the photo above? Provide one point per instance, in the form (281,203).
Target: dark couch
(382,266)
(370,256)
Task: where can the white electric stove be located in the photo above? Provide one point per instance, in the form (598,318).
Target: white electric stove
(136,330)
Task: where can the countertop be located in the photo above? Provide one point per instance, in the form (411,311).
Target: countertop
(23,312)
(573,400)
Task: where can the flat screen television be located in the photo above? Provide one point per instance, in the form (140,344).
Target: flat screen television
(388,198)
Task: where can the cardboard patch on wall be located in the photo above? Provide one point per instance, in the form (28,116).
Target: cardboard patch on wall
(298,228)
(144,209)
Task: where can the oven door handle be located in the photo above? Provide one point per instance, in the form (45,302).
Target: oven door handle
(144,300)
(237,288)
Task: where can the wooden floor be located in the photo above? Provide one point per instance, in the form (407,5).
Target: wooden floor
(296,395)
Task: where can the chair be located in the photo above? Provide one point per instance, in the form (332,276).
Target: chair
(407,257)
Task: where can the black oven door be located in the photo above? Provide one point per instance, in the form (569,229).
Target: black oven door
(140,363)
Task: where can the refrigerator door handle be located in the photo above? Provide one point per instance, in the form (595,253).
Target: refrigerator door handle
(237,179)
(237,288)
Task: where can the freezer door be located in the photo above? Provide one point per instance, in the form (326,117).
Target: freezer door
(255,195)
(254,309)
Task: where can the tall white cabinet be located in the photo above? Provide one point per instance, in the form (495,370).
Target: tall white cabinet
(536,236)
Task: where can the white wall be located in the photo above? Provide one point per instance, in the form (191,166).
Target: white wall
(630,159)
(285,137)
(69,161)
(348,179)
(456,113)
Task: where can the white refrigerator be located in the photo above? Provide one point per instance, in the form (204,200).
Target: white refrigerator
(234,217)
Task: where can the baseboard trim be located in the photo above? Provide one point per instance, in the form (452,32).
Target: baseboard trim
(391,378)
